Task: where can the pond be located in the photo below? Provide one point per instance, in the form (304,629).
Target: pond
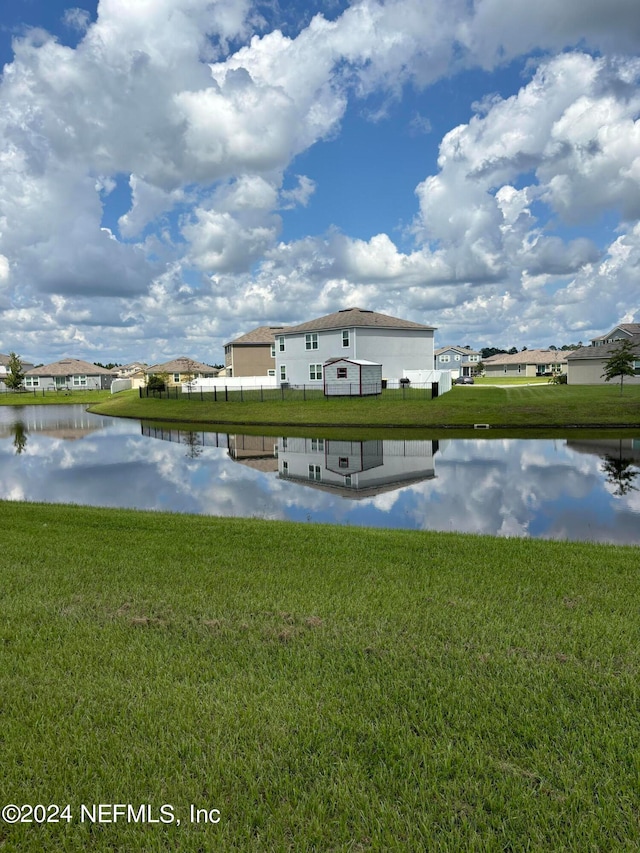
(572,489)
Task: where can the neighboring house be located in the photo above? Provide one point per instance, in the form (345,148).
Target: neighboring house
(353,333)
(531,362)
(356,469)
(464,361)
(4,366)
(68,373)
(352,377)
(182,369)
(126,371)
(587,364)
(624,331)
(253,354)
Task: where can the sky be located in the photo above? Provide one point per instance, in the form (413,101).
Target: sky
(175,173)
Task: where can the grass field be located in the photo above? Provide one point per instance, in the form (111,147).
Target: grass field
(325,689)
(528,407)
(52,398)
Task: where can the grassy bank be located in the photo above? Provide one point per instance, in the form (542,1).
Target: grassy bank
(520,407)
(324,688)
(39,397)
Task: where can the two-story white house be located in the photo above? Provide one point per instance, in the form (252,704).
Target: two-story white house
(353,333)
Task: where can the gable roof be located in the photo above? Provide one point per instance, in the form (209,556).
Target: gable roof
(529,356)
(461,350)
(356,317)
(261,335)
(69,367)
(604,350)
(182,364)
(630,329)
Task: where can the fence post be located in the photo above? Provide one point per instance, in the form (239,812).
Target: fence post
(241,395)
(304,392)
(215,394)
(261,395)
(226,393)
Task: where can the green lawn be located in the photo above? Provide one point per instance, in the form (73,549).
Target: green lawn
(39,397)
(543,406)
(326,689)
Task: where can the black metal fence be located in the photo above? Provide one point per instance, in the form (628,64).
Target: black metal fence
(266,393)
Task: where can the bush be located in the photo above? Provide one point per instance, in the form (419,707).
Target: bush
(558,379)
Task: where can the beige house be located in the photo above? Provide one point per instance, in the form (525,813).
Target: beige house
(587,364)
(253,354)
(530,363)
(182,369)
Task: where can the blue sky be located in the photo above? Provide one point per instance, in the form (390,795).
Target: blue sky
(174,173)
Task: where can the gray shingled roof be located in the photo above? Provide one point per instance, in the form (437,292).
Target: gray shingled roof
(261,335)
(69,367)
(461,350)
(529,356)
(360,317)
(631,328)
(182,364)
(603,351)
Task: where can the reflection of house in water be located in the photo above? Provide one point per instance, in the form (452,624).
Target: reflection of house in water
(625,448)
(69,425)
(356,469)
(256,451)
(620,460)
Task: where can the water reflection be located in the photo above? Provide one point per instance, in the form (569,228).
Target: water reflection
(559,489)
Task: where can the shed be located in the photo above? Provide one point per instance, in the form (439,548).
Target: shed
(351,377)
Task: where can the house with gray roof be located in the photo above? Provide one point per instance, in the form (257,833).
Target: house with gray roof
(462,360)
(356,334)
(182,369)
(586,364)
(70,374)
(4,366)
(530,362)
(252,354)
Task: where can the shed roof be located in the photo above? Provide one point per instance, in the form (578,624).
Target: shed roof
(360,361)
(356,317)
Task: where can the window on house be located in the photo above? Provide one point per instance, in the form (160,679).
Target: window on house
(636,367)
(315,371)
(341,373)
(317,444)
(445,358)
(79,381)
(271,373)
(457,357)
(347,479)
(273,350)
(31,381)
(176,377)
(285,467)
(315,472)
(343,462)
(345,337)
(311,341)
(280,343)
(227,350)
(283,373)
(284,443)
(60,381)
